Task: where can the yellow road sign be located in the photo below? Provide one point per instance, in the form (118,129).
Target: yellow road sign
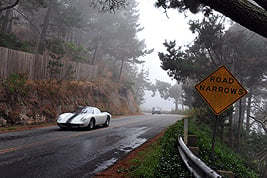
(220,90)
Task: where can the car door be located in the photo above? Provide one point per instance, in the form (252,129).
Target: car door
(100,117)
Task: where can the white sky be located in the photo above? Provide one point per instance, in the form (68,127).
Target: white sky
(158,28)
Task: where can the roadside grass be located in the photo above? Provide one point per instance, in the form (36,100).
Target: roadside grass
(161,158)
(144,164)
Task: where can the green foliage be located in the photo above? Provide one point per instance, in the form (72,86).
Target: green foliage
(224,158)
(16,84)
(55,46)
(55,66)
(166,162)
(254,148)
(56,53)
(146,163)
(70,72)
(12,42)
(170,163)
(212,47)
(77,52)
(161,159)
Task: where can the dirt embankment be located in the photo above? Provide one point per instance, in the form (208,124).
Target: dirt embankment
(28,102)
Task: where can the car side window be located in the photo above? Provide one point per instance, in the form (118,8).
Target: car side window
(88,111)
(97,111)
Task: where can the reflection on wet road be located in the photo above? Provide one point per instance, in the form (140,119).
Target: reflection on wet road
(51,152)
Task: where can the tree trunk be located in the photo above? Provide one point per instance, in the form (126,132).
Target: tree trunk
(239,126)
(41,45)
(94,55)
(265,170)
(6,20)
(221,122)
(231,133)
(243,12)
(122,63)
(9,27)
(248,112)
(182,103)
(176,105)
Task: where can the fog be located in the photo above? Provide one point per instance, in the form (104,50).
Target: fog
(158,28)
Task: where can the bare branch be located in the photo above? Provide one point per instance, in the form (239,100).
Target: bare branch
(25,17)
(108,5)
(261,122)
(261,153)
(10,6)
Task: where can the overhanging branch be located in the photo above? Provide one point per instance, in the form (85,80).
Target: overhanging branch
(243,12)
(10,6)
(261,122)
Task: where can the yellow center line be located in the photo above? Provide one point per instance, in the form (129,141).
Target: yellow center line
(11,149)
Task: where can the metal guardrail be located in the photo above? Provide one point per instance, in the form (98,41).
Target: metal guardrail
(194,164)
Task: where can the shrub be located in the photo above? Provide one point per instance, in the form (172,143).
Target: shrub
(16,84)
(224,158)
(12,42)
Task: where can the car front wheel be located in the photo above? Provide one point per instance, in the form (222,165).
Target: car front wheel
(91,124)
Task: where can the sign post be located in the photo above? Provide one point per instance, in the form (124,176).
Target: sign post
(220,90)
(214,135)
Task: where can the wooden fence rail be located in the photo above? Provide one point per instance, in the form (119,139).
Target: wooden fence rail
(12,61)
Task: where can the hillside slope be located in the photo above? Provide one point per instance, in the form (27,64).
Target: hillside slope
(26,102)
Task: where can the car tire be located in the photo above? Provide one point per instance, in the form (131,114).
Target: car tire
(91,124)
(63,128)
(107,122)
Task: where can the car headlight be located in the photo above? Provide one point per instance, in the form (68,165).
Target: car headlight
(83,119)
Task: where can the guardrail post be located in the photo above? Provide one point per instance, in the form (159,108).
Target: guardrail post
(192,140)
(192,144)
(185,131)
(228,174)
(195,150)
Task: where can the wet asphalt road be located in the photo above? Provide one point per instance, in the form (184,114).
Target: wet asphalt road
(51,152)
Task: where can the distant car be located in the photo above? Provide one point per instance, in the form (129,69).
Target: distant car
(84,117)
(156,110)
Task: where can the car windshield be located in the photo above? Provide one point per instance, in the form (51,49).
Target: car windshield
(155,109)
(79,109)
(82,109)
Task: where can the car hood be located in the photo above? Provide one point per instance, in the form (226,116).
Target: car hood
(70,117)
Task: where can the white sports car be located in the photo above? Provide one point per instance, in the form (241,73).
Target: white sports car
(84,117)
